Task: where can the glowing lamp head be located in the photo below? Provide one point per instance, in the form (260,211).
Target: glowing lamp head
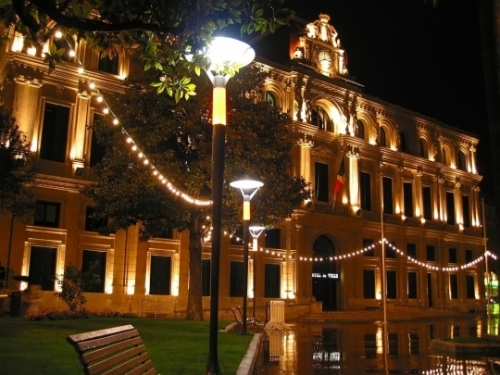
(223,52)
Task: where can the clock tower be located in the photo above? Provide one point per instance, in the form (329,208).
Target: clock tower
(319,47)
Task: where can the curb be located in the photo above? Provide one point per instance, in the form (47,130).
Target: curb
(249,361)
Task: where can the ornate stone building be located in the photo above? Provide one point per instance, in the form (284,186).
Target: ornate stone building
(376,170)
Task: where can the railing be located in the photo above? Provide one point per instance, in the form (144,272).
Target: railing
(155,306)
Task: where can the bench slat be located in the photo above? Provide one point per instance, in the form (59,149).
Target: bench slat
(73,339)
(130,365)
(138,354)
(144,369)
(95,355)
(105,341)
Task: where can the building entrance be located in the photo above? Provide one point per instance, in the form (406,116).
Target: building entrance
(325,277)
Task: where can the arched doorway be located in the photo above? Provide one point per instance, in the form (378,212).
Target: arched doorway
(324,274)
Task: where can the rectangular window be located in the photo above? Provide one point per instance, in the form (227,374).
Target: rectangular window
(450,208)
(272,280)
(453,286)
(427,202)
(411,250)
(322,190)
(272,238)
(369,284)
(43,267)
(468,256)
(95,261)
(236,279)
(412,285)
(160,275)
(366,191)
(408,199)
(92,224)
(107,65)
(390,252)
(466,210)
(205,276)
(452,255)
(431,254)
(387,192)
(368,242)
(391,285)
(97,149)
(54,133)
(469,281)
(47,214)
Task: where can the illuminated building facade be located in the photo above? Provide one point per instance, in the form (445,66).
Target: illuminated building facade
(399,173)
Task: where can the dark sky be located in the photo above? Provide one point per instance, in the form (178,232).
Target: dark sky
(425,59)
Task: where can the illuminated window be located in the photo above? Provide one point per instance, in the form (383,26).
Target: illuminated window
(391,284)
(108,65)
(422,151)
(468,256)
(408,199)
(272,280)
(95,260)
(320,118)
(387,195)
(321,174)
(411,250)
(453,286)
(402,143)
(382,139)
(469,282)
(461,162)
(369,284)
(466,211)
(47,214)
(368,242)
(452,255)
(273,238)
(160,275)
(365,191)
(412,285)
(450,208)
(360,130)
(446,156)
(431,253)
(43,267)
(390,253)
(93,224)
(427,202)
(236,279)
(270,98)
(54,133)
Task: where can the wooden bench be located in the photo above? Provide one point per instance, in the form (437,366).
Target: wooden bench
(114,351)
(238,316)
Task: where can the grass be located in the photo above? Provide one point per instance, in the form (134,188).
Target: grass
(175,346)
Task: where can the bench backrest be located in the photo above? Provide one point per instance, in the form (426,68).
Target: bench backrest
(238,316)
(115,351)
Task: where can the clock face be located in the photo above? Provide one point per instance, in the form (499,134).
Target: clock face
(324,59)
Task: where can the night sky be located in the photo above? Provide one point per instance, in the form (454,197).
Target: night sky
(425,59)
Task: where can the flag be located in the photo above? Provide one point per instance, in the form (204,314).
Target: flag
(339,182)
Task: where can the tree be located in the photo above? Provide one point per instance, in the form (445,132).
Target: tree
(17,174)
(161,32)
(74,283)
(177,140)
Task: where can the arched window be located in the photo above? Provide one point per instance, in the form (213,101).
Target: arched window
(360,130)
(446,156)
(422,149)
(381,139)
(402,142)
(461,162)
(320,118)
(270,98)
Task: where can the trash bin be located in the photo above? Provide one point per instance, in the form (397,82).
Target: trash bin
(15,304)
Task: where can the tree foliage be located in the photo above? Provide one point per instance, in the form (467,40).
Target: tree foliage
(74,283)
(160,32)
(177,139)
(16,169)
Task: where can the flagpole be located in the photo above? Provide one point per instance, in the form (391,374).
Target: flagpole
(382,242)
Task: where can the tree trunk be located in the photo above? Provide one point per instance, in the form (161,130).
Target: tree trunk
(195,304)
(489,21)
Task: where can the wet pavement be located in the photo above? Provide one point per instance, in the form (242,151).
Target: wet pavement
(372,348)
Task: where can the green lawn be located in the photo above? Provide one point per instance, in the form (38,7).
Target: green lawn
(175,346)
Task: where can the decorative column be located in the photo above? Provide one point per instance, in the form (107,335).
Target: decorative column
(473,169)
(419,204)
(439,198)
(305,157)
(398,190)
(459,213)
(475,213)
(353,155)
(27,95)
(79,129)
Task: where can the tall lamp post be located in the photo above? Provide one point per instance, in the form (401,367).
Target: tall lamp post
(255,231)
(221,52)
(248,189)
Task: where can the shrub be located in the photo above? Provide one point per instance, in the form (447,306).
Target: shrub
(74,283)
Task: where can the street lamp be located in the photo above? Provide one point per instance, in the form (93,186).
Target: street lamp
(221,52)
(248,189)
(255,231)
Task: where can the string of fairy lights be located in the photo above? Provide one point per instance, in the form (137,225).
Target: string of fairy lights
(199,202)
(128,138)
